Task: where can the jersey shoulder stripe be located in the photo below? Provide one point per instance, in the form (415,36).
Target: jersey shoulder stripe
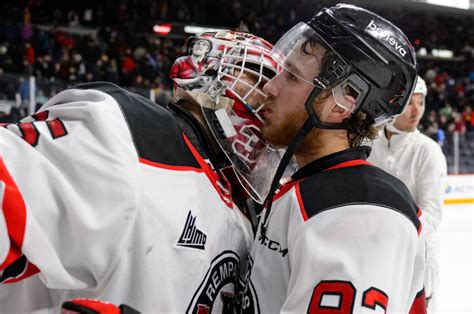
(155,131)
(362,184)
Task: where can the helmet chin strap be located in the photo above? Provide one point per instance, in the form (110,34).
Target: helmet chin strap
(313,121)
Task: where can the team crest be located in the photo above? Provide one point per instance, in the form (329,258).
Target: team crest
(217,291)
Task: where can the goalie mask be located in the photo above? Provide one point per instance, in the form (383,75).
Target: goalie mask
(224,73)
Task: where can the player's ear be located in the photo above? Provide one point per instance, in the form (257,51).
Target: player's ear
(340,112)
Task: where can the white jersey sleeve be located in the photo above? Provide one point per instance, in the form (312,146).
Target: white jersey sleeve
(66,184)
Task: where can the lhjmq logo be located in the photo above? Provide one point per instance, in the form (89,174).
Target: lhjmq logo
(217,291)
(191,236)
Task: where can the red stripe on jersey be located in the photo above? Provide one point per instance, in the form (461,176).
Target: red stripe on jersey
(284,188)
(350,163)
(210,173)
(30,271)
(419,304)
(14,211)
(90,306)
(41,116)
(300,202)
(169,167)
(419,215)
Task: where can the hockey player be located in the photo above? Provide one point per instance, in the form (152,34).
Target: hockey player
(342,236)
(106,195)
(417,161)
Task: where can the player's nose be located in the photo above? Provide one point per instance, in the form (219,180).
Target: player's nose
(270,88)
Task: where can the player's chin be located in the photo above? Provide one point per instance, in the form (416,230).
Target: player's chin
(414,123)
(266,130)
(272,135)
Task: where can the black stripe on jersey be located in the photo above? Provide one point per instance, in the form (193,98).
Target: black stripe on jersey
(362,184)
(420,293)
(155,132)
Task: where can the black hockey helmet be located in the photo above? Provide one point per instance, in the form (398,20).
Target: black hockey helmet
(377,52)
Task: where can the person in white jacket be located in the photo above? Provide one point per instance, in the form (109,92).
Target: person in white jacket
(418,161)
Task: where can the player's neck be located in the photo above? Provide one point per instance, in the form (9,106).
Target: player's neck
(320,143)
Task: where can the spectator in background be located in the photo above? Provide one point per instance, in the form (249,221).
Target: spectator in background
(41,99)
(443,123)
(459,123)
(24,89)
(447,111)
(468,116)
(128,68)
(417,161)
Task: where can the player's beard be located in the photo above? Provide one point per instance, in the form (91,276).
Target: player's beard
(280,133)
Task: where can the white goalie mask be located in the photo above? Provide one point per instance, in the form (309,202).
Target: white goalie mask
(225,75)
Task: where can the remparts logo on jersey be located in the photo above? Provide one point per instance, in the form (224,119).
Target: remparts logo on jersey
(391,40)
(217,291)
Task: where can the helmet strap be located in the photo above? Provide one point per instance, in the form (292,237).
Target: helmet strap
(285,160)
(317,123)
(313,121)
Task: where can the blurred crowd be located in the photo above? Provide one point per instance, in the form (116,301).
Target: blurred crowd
(448,104)
(112,41)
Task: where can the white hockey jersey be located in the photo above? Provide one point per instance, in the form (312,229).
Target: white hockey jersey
(419,163)
(342,237)
(104,197)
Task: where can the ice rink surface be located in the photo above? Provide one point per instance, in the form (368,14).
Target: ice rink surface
(456,286)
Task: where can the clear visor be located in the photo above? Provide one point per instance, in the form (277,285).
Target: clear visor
(306,55)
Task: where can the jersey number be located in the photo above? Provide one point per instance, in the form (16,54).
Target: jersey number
(31,134)
(334,297)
